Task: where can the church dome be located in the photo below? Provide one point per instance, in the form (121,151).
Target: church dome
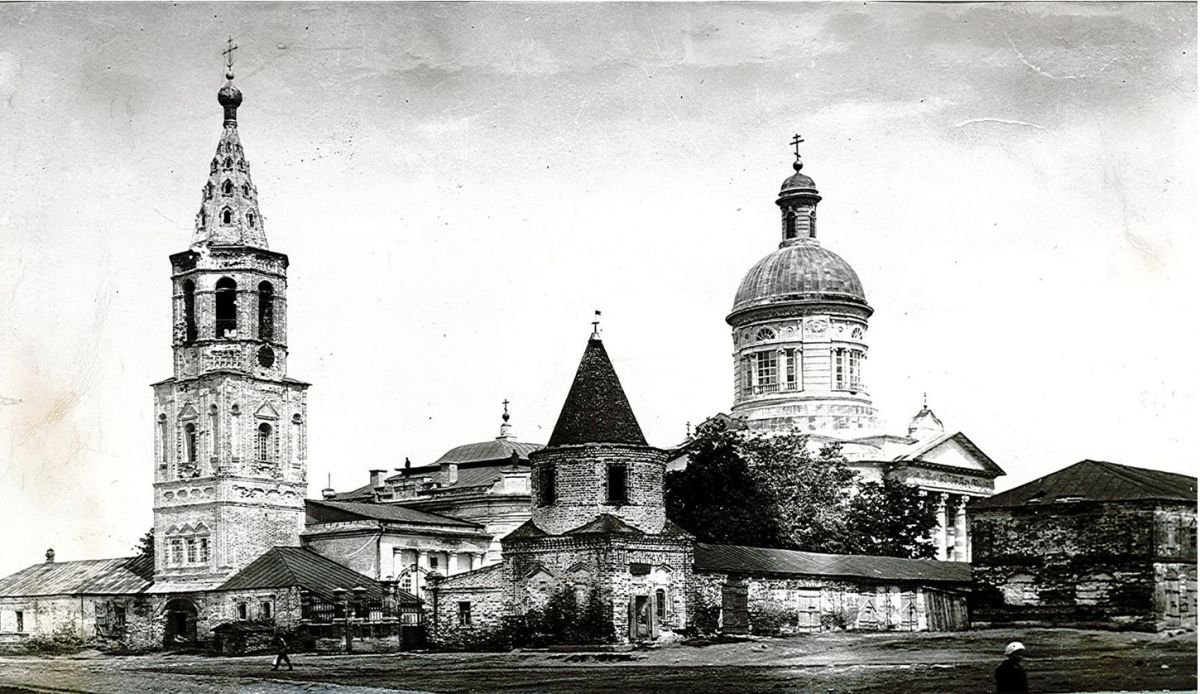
(799,272)
(798,181)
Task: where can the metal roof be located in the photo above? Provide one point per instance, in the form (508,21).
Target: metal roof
(596,409)
(496,450)
(334,511)
(487,577)
(798,272)
(287,567)
(1096,480)
(786,562)
(122,576)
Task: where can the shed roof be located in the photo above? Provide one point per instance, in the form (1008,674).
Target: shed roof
(596,409)
(488,577)
(1096,480)
(319,511)
(762,560)
(287,567)
(121,576)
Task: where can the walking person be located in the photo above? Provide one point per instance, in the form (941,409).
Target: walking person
(281,648)
(1010,674)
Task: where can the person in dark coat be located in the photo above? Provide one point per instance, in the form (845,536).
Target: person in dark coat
(1010,674)
(281,656)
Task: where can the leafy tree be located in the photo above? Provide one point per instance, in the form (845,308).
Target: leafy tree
(746,488)
(893,519)
(766,491)
(145,546)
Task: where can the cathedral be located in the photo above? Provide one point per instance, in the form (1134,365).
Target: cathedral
(494,528)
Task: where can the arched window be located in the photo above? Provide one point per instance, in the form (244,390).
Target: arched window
(189,442)
(162,438)
(266,311)
(660,604)
(812,224)
(246,189)
(227,187)
(226,325)
(228,163)
(203,217)
(789,225)
(765,334)
(226,216)
(189,311)
(250,219)
(265,442)
(208,191)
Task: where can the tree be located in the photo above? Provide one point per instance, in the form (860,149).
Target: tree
(751,489)
(766,491)
(893,519)
(145,546)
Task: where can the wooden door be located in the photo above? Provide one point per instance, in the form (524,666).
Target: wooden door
(735,612)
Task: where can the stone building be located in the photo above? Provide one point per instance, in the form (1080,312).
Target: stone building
(229,466)
(1095,544)
(598,527)
(483,482)
(800,322)
(599,531)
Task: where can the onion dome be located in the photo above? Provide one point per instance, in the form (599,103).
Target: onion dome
(230,97)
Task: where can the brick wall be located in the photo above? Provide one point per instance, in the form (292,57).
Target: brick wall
(1086,564)
(581,491)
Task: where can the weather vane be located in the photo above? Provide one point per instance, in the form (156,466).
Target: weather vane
(228,53)
(596,325)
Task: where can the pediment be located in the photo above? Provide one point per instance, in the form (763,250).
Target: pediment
(265,411)
(188,412)
(954,451)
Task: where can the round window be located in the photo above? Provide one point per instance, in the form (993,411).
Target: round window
(266,356)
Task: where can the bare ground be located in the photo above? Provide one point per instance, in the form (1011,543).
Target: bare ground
(1061,660)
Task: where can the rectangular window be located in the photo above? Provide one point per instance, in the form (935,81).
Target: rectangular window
(618,487)
(792,369)
(202,545)
(243,611)
(20,620)
(118,616)
(546,485)
(839,368)
(176,552)
(855,357)
(766,368)
(464,613)
(747,376)
(433,563)
(264,610)
(191,551)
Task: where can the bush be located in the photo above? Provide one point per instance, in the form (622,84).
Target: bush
(63,640)
(564,621)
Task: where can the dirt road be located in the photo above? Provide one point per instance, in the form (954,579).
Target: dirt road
(1060,661)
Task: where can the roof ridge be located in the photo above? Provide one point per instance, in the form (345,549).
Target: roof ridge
(1142,477)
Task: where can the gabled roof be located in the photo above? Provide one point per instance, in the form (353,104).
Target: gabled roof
(605,524)
(485,578)
(1095,480)
(917,452)
(287,567)
(786,562)
(596,409)
(122,576)
(320,511)
(526,531)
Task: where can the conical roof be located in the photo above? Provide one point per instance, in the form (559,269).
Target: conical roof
(596,409)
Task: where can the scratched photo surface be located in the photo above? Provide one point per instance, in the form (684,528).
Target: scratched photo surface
(459,187)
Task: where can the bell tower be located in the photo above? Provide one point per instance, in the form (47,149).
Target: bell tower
(230,430)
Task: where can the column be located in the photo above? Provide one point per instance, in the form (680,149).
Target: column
(422,567)
(939,533)
(960,528)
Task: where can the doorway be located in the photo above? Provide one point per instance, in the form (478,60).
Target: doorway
(179,626)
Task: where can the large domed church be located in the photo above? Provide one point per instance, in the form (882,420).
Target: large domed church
(800,322)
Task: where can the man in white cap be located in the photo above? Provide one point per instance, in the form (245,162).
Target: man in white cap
(1010,675)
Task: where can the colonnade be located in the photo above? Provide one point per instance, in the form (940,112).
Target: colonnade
(952,534)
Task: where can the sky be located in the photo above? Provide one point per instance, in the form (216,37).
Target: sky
(460,186)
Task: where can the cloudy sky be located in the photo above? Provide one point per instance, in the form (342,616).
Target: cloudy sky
(460,186)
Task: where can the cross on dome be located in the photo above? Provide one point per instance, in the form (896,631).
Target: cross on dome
(796,140)
(228,53)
